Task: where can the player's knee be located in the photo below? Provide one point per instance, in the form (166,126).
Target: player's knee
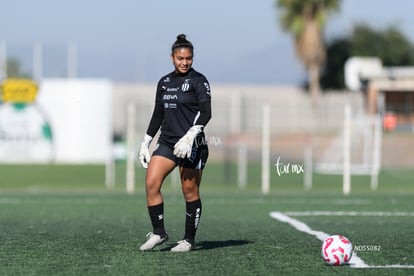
(152,186)
(190,193)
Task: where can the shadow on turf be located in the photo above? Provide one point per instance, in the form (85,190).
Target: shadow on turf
(207,245)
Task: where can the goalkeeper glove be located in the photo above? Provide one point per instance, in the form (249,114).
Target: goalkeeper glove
(144,156)
(183,147)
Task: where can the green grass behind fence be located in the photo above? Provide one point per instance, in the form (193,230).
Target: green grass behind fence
(217,177)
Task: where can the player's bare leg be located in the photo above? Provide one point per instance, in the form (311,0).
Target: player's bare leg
(190,184)
(158,168)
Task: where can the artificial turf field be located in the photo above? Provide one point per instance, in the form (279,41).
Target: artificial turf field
(61,220)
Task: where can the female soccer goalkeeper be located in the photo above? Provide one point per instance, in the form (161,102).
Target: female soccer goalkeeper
(182,110)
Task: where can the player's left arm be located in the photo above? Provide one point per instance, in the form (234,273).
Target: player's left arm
(205,113)
(183,147)
(203,95)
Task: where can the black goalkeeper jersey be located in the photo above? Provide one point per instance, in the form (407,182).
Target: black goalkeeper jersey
(178,97)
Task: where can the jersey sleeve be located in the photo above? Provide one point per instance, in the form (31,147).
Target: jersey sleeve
(157,115)
(205,113)
(202,91)
(203,95)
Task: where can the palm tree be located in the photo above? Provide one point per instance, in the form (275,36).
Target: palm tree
(305,20)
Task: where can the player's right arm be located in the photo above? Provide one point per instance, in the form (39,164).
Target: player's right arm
(155,123)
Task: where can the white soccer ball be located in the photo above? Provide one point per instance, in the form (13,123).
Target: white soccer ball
(336,250)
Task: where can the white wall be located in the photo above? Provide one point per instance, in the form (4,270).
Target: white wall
(240,107)
(80,114)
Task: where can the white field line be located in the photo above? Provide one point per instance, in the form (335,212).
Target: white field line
(350,213)
(355,261)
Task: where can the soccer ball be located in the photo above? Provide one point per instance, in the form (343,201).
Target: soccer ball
(336,250)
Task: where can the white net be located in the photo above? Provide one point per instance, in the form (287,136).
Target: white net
(363,137)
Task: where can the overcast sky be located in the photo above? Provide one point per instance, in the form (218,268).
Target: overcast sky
(236,41)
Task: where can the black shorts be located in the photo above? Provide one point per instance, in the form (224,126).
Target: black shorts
(197,160)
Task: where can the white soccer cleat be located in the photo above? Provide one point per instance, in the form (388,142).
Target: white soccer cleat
(183,246)
(152,241)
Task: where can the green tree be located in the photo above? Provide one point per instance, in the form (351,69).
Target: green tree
(14,69)
(338,51)
(390,45)
(305,19)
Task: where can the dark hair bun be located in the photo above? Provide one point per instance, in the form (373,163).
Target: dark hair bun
(182,42)
(181,37)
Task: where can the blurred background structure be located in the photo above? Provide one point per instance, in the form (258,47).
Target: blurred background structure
(306,60)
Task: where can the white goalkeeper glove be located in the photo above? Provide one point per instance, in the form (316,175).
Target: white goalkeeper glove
(144,156)
(183,147)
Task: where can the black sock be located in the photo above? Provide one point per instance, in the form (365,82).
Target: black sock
(192,218)
(156,214)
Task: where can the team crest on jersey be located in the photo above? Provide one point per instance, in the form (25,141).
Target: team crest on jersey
(186,85)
